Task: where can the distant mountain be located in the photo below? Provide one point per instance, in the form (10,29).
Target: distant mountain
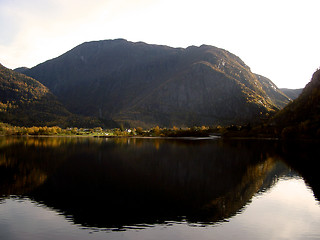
(301,117)
(276,95)
(21,69)
(292,93)
(25,101)
(138,84)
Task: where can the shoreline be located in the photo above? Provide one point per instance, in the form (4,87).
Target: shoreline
(211,137)
(95,136)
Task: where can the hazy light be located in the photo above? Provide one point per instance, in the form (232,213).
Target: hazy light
(276,39)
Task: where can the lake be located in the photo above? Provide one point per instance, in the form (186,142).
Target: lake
(134,188)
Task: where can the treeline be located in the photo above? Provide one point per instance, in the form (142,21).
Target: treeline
(203,131)
(300,131)
(6,129)
(303,130)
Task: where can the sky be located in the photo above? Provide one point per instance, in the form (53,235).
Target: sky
(279,39)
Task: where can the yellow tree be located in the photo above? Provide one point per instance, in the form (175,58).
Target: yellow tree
(157,131)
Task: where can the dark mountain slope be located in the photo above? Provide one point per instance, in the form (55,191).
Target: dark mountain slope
(144,85)
(301,117)
(213,98)
(104,76)
(25,101)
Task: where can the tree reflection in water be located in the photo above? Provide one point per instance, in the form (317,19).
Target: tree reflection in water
(114,183)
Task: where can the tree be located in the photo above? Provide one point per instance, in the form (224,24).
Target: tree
(139,130)
(157,131)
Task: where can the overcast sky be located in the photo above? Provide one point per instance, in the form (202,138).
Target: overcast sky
(279,39)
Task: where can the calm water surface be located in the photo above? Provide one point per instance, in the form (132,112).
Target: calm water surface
(90,188)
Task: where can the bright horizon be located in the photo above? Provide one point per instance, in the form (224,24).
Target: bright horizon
(276,38)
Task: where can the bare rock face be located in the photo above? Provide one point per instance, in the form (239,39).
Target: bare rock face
(138,84)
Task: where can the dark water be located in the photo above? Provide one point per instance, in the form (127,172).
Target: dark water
(90,188)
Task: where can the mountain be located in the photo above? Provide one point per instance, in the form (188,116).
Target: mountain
(21,69)
(277,96)
(292,93)
(25,101)
(301,117)
(138,84)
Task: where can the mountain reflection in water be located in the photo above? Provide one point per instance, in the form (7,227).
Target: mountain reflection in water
(114,183)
